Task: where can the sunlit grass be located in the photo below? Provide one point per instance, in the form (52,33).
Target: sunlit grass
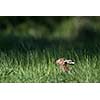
(39,66)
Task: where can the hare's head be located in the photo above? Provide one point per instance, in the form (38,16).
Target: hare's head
(63,61)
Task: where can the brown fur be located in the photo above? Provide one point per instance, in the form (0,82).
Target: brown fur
(63,66)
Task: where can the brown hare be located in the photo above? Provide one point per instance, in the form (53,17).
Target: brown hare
(64,64)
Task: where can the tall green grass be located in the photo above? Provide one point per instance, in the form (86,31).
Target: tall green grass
(25,64)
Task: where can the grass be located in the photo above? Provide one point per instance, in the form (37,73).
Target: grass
(30,60)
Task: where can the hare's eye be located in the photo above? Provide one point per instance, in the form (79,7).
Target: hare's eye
(65,62)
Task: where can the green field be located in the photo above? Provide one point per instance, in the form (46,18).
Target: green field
(31,58)
(34,61)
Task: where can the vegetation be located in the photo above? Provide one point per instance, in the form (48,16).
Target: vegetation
(29,47)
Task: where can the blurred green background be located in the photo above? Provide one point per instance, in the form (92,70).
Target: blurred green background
(76,29)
